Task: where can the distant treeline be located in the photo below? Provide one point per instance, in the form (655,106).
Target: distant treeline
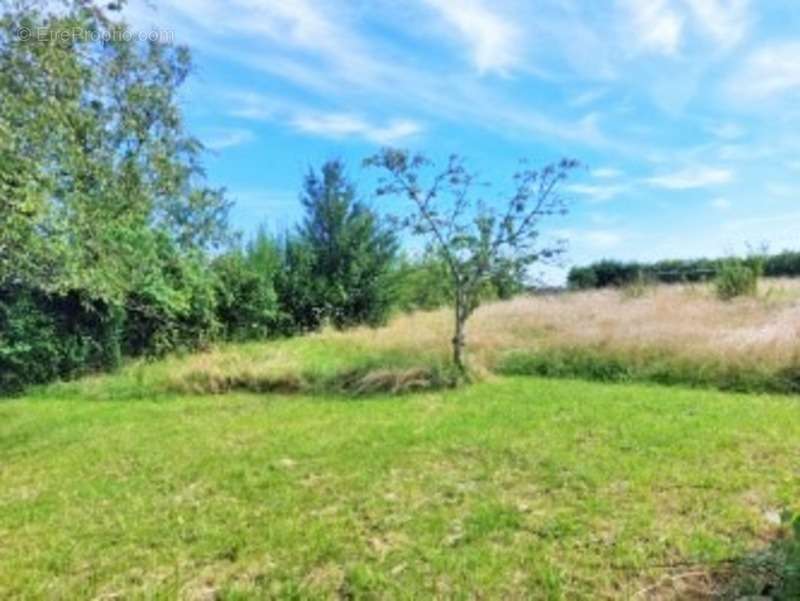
(609,273)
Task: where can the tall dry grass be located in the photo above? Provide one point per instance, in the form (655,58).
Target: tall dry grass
(687,323)
(670,334)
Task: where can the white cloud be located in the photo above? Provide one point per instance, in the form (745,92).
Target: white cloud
(494,41)
(587,98)
(726,21)
(251,105)
(721,204)
(331,54)
(602,238)
(692,177)
(343,125)
(227,138)
(596,193)
(606,173)
(728,131)
(592,238)
(655,25)
(782,190)
(309,120)
(768,72)
(787,220)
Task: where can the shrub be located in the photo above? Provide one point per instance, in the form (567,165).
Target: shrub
(246,302)
(421,285)
(608,273)
(790,581)
(44,336)
(736,278)
(175,308)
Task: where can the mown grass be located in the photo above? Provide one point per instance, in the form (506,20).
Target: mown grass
(511,488)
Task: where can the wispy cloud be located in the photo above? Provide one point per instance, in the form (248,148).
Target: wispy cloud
(783,190)
(596,193)
(728,131)
(494,41)
(221,139)
(323,50)
(788,220)
(769,72)
(655,25)
(606,173)
(726,21)
(309,120)
(593,239)
(343,125)
(720,204)
(587,98)
(692,177)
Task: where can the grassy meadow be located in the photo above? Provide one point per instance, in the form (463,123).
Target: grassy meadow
(511,488)
(681,334)
(306,468)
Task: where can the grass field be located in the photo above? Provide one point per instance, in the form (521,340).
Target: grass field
(669,334)
(285,469)
(511,488)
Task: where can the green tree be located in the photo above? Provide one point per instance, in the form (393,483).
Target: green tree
(477,241)
(343,251)
(105,219)
(94,157)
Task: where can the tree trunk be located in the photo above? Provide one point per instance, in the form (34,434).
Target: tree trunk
(458,337)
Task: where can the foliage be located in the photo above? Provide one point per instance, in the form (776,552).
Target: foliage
(105,219)
(48,336)
(422,284)
(94,149)
(340,259)
(175,309)
(247,303)
(737,278)
(608,273)
(790,573)
(477,243)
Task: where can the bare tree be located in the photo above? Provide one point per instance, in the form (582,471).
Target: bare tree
(475,238)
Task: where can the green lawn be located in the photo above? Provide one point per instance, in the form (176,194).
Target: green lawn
(515,487)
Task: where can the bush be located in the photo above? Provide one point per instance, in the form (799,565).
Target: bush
(175,308)
(246,301)
(736,278)
(44,337)
(421,285)
(790,581)
(608,273)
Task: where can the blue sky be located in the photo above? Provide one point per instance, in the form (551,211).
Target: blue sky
(687,112)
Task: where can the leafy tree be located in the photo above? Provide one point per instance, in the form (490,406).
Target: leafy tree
(299,292)
(343,252)
(247,301)
(94,158)
(475,239)
(105,219)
